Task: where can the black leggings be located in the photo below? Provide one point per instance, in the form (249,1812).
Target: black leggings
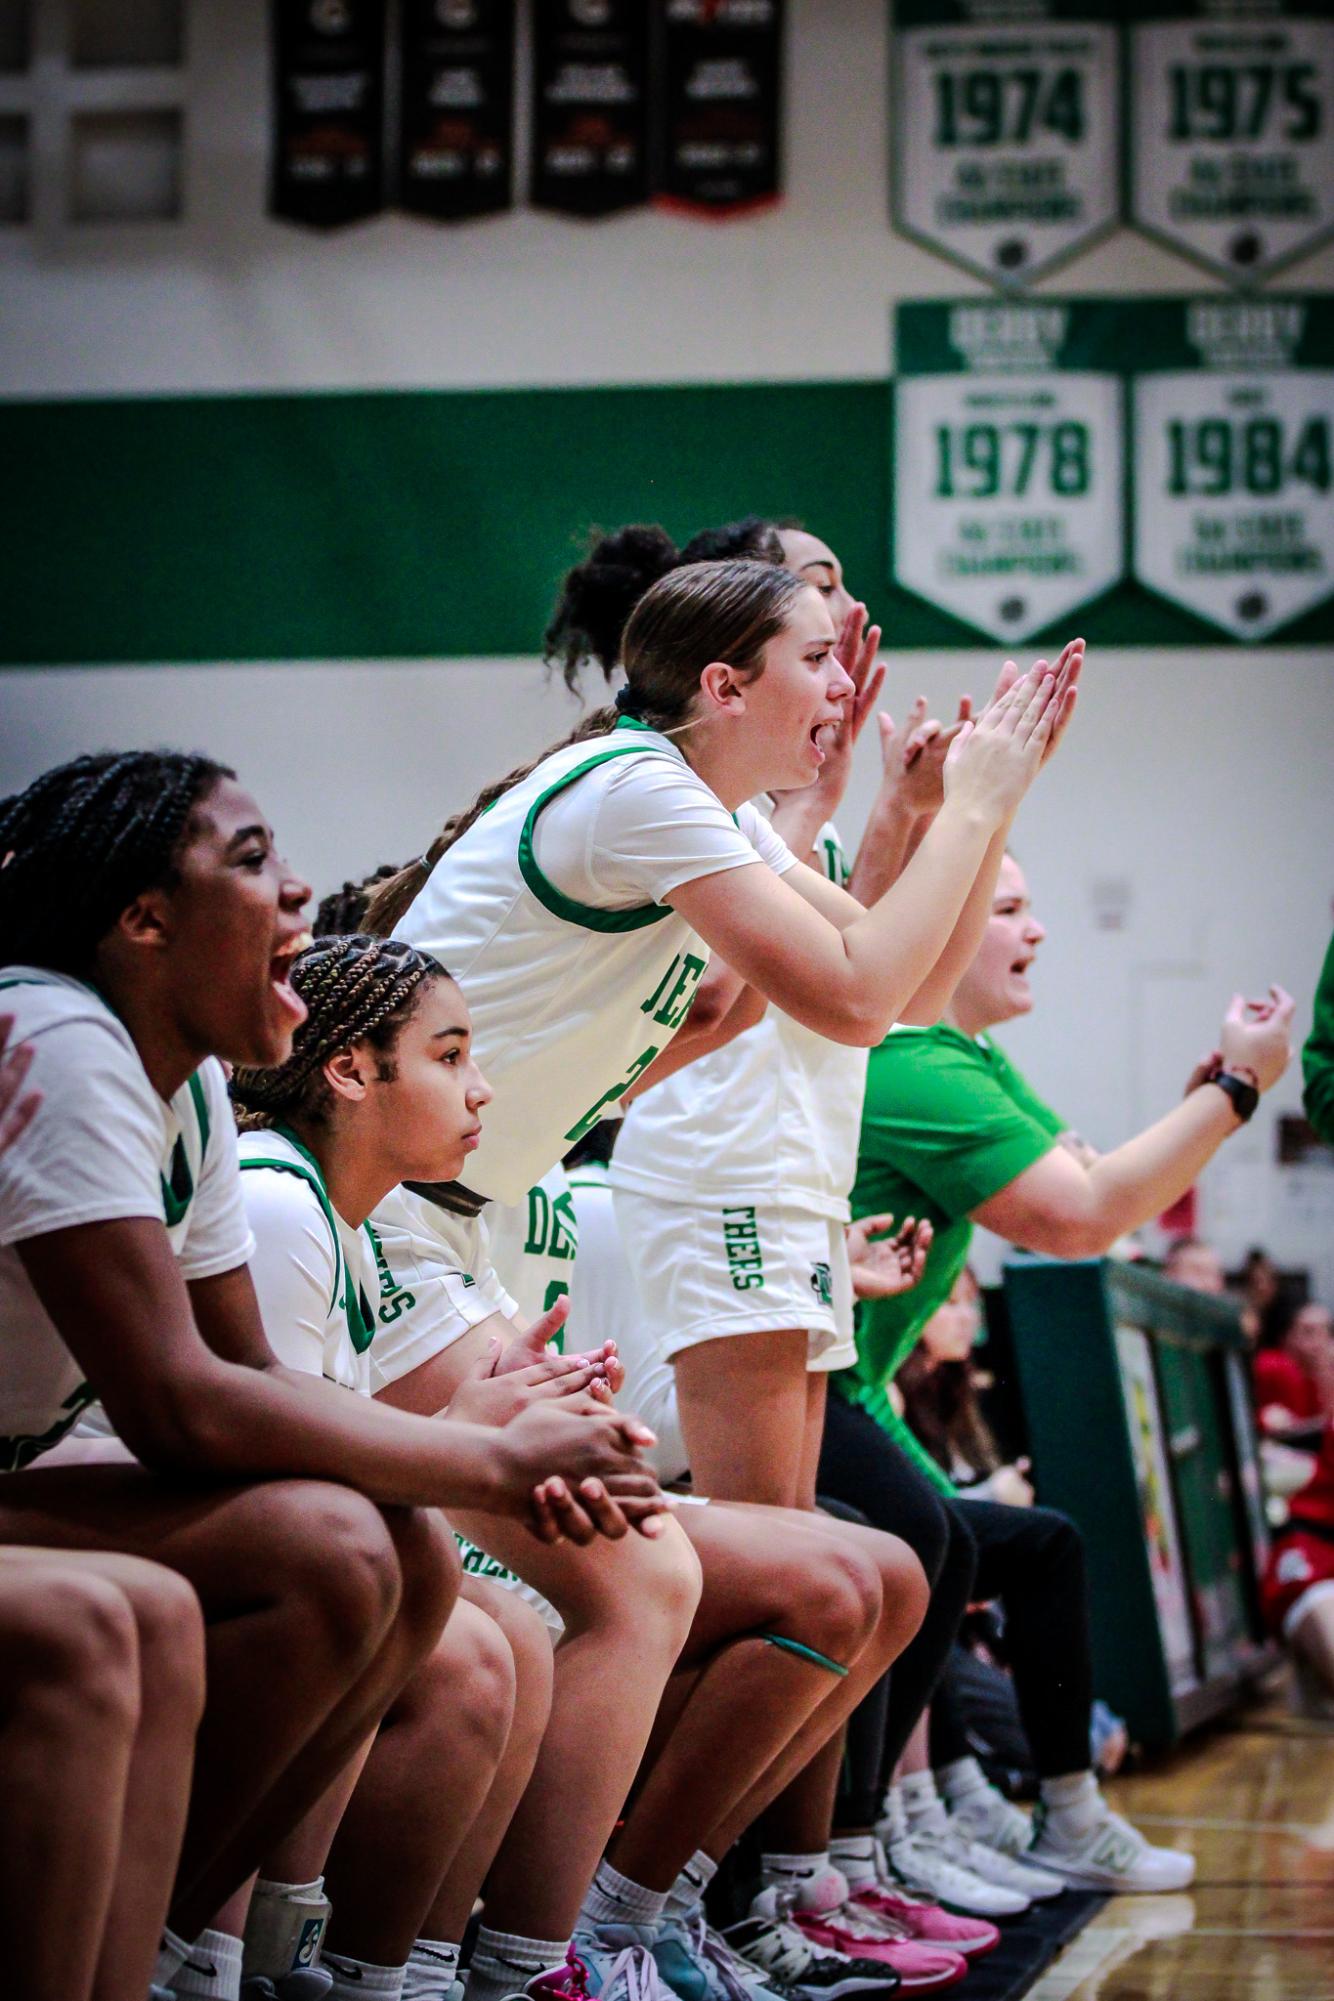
(1030,1558)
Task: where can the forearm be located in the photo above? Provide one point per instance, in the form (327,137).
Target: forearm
(1139,1180)
(884,851)
(277,1423)
(893,949)
(685,1048)
(937,990)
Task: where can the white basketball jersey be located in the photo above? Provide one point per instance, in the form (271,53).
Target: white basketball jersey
(775,1113)
(569,1002)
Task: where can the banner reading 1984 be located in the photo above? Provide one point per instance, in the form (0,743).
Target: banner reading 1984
(1160,470)
(1007,462)
(1233,409)
(1232,128)
(1004,129)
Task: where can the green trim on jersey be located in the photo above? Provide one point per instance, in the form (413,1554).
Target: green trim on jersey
(360,1319)
(545,890)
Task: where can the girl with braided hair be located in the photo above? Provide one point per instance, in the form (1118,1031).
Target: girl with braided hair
(147,927)
(381,1084)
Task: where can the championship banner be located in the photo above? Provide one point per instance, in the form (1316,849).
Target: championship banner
(1232,129)
(719,77)
(1005,129)
(590,106)
(1233,407)
(1008,473)
(456,117)
(328,110)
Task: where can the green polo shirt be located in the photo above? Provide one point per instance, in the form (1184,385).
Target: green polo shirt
(948,1121)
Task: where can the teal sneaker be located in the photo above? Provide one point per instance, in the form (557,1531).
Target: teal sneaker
(698,1964)
(605,1963)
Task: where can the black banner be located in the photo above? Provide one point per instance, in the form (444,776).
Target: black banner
(719,88)
(328,111)
(456,146)
(590,111)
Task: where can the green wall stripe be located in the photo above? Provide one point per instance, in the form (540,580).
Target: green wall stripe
(393,524)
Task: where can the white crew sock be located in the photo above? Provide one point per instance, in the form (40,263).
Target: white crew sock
(503,1962)
(357,1980)
(433,1967)
(921,1803)
(211,1971)
(172,1954)
(962,1779)
(893,1823)
(1073,1803)
(811,1879)
(614,1899)
(688,1889)
(853,1855)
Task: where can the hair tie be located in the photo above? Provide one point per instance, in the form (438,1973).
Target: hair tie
(628,702)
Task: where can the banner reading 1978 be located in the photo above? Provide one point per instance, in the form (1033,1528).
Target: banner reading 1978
(1007,462)
(1004,127)
(1159,470)
(1232,128)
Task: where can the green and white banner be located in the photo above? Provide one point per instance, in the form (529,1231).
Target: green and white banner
(1004,125)
(1231,130)
(1008,475)
(1232,408)
(1122,463)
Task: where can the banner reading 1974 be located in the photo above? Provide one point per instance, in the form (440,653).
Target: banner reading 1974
(1008,473)
(1233,409)
(1232,128)
(1004,128)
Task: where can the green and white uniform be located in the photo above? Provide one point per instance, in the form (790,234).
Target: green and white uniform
(533,1246)
(605,1307)
(103,1148)
(551,914)
(732,1180)
(316,1277)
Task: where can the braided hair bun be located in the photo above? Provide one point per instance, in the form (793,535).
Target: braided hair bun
(356,989)
(599,595)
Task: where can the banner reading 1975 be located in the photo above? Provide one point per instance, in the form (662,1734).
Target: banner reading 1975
(1004,128)
(1159,470)
(1232,128)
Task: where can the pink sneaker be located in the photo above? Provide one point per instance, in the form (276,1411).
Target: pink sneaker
(926,1923)
(922,1969)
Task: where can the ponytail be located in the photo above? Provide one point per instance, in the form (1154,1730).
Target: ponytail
(698,612)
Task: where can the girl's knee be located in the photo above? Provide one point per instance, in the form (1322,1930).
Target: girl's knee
(841,1598)
(469,1681)
(431,1571)
(170,1627)
(79,1652)
(331,1560)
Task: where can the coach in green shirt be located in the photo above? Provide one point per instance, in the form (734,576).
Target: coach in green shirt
(953,1133)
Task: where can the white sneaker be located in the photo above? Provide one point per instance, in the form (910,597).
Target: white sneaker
(987,1816)
(927,1864)
(1005,1872)
(1112,1855)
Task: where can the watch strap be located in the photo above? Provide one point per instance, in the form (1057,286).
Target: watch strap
(1245,1097)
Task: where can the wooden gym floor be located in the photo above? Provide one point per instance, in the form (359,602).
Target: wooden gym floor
(1254,1798)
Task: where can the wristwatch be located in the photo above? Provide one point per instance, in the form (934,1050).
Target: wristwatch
(1244,1096)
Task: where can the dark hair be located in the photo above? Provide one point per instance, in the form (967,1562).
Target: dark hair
(343,910)
(596,1147)
(356,989)
(84,840)
(695,614)
(599,594)
(941,1409)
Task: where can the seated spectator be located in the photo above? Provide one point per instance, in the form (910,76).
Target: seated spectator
(1298,1587)
(1189,1261)
(1294,1377)
(939,1386)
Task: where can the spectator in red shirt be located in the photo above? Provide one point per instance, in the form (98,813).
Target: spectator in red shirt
(1294,1378)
